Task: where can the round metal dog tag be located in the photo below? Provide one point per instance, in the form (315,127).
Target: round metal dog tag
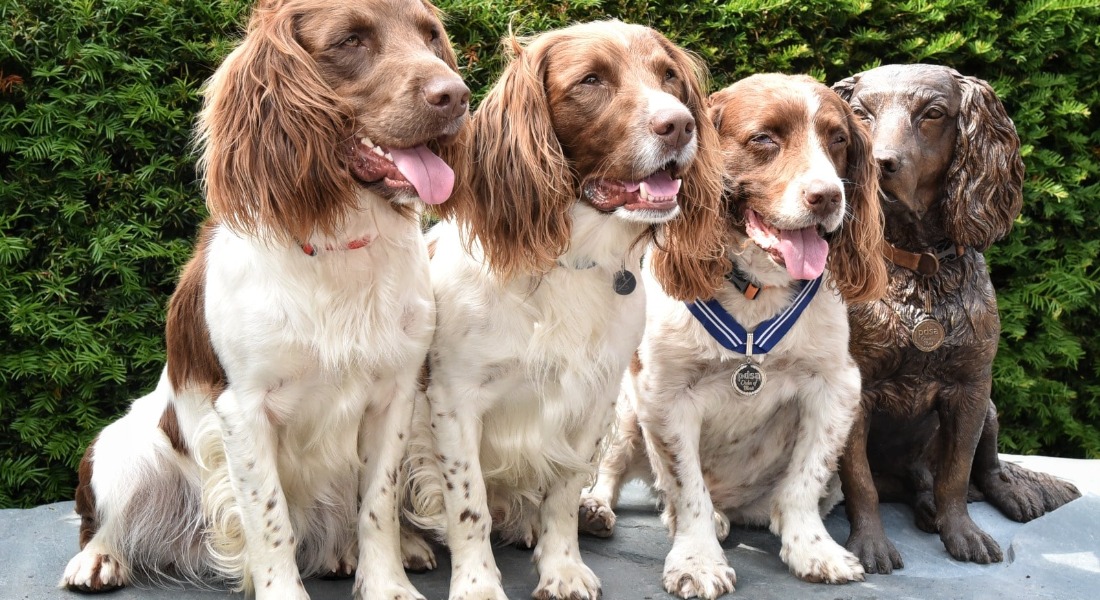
(748,379)
(625,282)
(927,335)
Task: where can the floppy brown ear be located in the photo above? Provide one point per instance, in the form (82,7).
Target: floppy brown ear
(273,137)
(856,259)
(689,258)
(515,185)
(845,86)
(984,189)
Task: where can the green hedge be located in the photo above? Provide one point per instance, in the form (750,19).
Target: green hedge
(99,198)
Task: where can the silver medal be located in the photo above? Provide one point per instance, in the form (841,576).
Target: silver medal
(749,377)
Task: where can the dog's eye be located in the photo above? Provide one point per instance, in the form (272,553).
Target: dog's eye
(670,75)
(591,79)
(859,112)
(933,113)
(352,41)
(434,34)
(763,139)
(839,139)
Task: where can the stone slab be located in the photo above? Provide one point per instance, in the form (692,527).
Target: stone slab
(1055,557)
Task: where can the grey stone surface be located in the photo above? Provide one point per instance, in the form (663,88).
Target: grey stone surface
(1055,557)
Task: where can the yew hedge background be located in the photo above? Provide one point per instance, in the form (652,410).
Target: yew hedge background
(99,202)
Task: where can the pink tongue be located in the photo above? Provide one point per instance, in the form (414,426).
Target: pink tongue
(804,252)
(431,177)
(662,185)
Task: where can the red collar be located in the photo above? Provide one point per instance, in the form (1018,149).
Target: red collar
(356,244)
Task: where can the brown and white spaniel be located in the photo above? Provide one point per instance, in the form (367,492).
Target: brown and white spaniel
(754,439)
(593,141)
(270,449)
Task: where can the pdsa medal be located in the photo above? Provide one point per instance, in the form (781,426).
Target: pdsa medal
(749,377)
(928,335)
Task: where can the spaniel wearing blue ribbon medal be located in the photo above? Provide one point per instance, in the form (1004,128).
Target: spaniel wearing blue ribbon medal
(744,399)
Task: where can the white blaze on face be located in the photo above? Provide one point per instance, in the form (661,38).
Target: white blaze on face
(793,231)
(817,170)
(654,154)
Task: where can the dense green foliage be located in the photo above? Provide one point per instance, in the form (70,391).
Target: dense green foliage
(99,198)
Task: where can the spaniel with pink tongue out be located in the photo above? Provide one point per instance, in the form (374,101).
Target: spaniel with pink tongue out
(417,168)
(803,251)
(656,192)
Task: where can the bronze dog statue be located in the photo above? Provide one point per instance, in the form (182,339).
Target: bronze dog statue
(951,180)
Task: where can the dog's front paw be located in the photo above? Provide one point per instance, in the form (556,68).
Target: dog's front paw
(385,588)
(478,591)
(93,571)
(596,517)
(480,584)
(416,554)
(875,552)
(690,574)
(965,541)
(568,581)
(821,560)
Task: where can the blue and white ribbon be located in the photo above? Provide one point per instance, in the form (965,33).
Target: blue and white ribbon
(732,335)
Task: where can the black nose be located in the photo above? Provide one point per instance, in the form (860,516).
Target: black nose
(448,95)
(675,126)
(888,162)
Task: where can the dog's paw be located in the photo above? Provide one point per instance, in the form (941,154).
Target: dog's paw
(572,580)
(385,588)
(341,567)
(721,525)
(527,533)
(596,517)
(477,584)
(821,560)
(1023,495)
(875,552)
(965,541)
(691,574)
(416,553)
(924,512)
(93,571)
(478,591)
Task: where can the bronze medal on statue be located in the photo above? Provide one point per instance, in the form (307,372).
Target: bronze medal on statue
(748,379)
(927,335)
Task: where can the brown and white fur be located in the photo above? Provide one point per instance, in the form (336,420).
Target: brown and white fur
(288,390)
(795,158)
(573,156)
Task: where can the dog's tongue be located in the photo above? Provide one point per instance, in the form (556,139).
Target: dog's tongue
(804,252)
(433,179)
(661,185)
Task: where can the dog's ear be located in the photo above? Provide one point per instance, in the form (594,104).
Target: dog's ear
(856,259)
(689,259)
(516,187)
(846,86)
(984,188)
(272,136)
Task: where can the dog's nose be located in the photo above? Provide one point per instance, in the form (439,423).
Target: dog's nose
(448,95)
(822,196)
(675,126)
(888,162)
